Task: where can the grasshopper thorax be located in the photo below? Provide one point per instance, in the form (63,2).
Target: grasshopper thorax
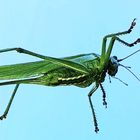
(113,66)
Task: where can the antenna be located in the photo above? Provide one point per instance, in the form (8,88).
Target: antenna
(119,60)
(120,80)
(127,68)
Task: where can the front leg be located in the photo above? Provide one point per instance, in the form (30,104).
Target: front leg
(116,34)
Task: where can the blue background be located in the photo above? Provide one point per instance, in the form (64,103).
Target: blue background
(61,28)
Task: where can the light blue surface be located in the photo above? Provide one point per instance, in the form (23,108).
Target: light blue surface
(62,28)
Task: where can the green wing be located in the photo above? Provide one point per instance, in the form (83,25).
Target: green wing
(23,70)
(34,69)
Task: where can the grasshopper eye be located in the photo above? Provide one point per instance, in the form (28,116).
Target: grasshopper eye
(115,57)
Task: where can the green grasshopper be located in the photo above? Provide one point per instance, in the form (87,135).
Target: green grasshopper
(79,70)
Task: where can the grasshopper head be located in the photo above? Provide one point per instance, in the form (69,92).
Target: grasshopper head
(113,66)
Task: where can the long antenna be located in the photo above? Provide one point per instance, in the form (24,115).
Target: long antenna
(128,56)
(127,68)
(120,80)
